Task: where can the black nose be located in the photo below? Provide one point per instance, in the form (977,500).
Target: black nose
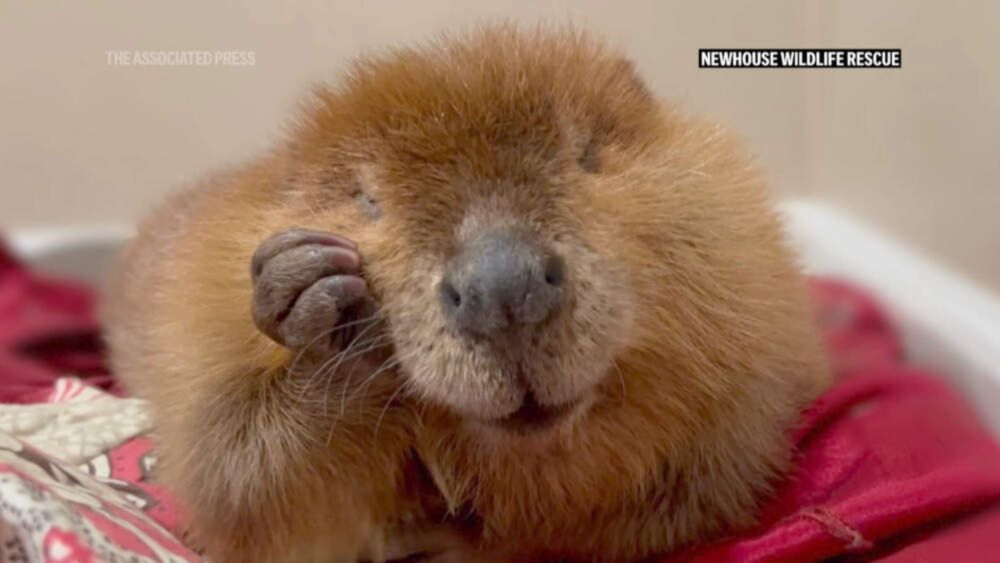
(502,280)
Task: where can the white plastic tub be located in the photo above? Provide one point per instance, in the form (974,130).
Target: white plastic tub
(947,323)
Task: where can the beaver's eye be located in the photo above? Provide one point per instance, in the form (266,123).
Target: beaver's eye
(589,159)
(369,205)
(362,187)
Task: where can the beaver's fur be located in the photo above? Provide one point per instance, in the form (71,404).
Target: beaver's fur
(689,340)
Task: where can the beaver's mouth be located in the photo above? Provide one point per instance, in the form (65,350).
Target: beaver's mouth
(532,417)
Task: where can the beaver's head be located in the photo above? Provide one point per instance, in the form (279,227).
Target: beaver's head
(499,188)
(578,280)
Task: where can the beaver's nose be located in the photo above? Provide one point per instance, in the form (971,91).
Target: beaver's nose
(502,280)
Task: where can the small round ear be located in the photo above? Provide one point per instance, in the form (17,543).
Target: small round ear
(585,138)
(579,146)
(625,74)
(589,159)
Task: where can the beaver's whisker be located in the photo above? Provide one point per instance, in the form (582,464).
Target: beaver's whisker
(390,363)
(331,372)
(346,353)
(621,377)
(326,334)
(385,409)
(326,373)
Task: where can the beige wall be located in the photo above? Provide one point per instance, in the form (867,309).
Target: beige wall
(916,150)
(84,142)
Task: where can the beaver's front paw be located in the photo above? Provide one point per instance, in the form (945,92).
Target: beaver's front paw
(307,291)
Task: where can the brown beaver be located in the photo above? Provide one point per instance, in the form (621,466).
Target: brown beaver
(492,295)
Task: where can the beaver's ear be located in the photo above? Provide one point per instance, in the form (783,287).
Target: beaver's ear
(625,74)
(588,156)
(579,146)
(624,98)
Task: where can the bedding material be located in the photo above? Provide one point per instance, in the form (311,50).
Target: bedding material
(76,422)
(53,513)
(892,463)
(47,329)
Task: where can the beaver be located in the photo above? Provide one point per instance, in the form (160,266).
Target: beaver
(491,296)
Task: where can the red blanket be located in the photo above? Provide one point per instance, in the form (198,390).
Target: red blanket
(892,462)
(47,329)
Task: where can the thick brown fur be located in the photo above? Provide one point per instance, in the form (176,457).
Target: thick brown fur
(688,346)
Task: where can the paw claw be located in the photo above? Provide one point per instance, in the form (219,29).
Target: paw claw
(305,282)
(292,238)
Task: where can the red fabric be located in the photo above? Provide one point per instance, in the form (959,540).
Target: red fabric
(128,469)
(47,329)
(893,464)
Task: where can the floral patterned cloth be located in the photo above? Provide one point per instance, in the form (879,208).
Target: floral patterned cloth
(105,508)
(53,513)
(76,422)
